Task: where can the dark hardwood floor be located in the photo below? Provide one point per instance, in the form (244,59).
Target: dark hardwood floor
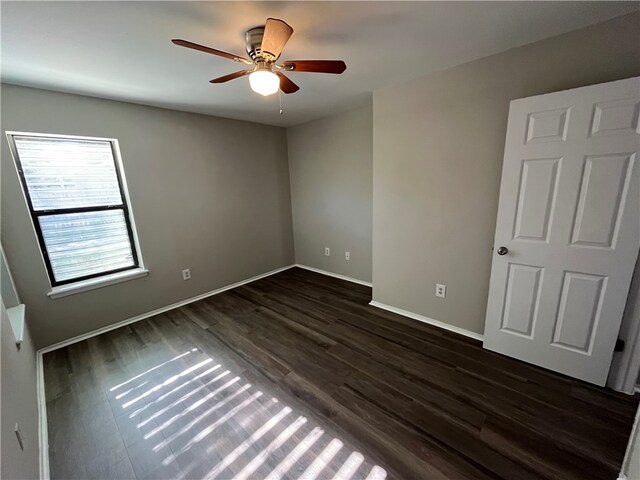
(296,376)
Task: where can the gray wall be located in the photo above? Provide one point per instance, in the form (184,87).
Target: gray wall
(207,193)
(19,405)
(330,165)
(437,159)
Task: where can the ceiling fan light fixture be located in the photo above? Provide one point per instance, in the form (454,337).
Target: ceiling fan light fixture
(264,46)
(264,82)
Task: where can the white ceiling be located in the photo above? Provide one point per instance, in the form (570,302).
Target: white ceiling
(122,50)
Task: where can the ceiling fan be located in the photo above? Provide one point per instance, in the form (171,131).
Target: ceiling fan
(264,45)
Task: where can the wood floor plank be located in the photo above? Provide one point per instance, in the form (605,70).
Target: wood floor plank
(527,447)
(457,410)
(392,454)
(256,356)
(429,449)
(297,373)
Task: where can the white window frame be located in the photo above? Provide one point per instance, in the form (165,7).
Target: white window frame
(100,280)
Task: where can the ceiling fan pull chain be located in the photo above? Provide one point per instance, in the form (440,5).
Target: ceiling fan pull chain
(280,101)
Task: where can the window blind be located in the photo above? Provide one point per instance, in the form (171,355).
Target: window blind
(76,200)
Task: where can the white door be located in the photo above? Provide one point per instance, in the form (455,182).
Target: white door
(568,228)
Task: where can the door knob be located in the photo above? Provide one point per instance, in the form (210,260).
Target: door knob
(503,250)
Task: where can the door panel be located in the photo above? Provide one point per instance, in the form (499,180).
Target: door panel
(549,126)
(604,190)
(579,311)
(537,195)
(618,117)
(521,299)
(569,215)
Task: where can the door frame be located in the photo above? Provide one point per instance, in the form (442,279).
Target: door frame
(625,367)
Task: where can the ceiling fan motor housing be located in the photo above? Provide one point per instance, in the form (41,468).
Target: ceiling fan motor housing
(253,38)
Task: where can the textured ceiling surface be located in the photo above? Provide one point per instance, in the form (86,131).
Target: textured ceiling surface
(122,50)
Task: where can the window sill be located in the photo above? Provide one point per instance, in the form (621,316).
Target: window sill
(79,287)
(16,319)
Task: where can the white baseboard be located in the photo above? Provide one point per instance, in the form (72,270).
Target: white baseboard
(157,311)
(336,275)
(43,432)
(42,405)
(637,388)
(430,321)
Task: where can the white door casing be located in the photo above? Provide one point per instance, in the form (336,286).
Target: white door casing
(569,215)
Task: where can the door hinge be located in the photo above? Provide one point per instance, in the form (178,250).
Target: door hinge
(619,345)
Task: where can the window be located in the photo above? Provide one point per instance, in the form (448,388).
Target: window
(76,193)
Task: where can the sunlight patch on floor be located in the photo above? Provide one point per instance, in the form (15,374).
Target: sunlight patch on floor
(204,412)
(150,370)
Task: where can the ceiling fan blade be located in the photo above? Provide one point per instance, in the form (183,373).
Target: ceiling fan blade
(275,37)
(286,85)
(231,76)
(202,48)
(315,66)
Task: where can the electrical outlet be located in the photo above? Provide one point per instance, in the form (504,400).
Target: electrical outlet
(327,251)
(186,274)
(347,255)
(441,290)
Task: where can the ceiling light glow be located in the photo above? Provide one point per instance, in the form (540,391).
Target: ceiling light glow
(264,82)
